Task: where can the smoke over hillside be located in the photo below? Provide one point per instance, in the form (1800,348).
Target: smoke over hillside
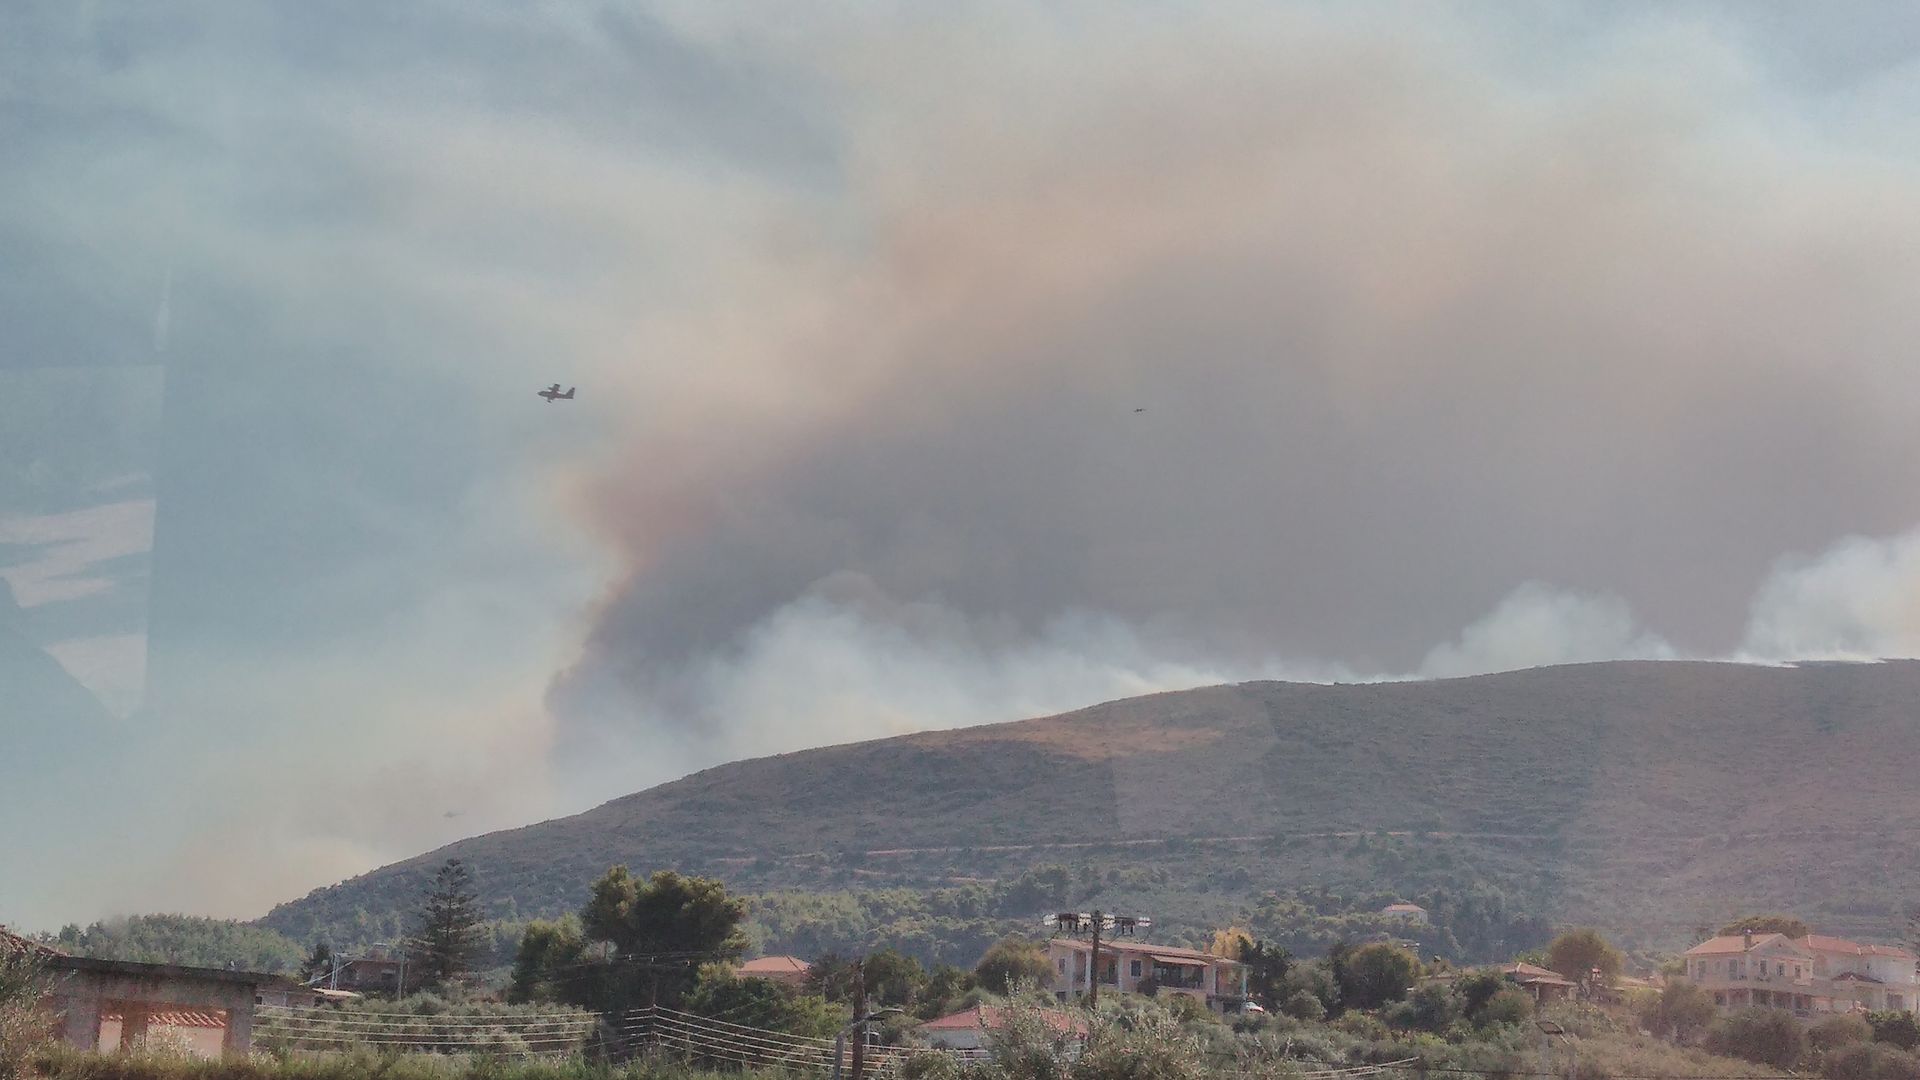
(1426,338)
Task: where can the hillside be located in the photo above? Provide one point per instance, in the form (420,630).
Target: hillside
(1645,797)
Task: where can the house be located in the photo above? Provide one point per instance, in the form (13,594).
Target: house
(968,1028)
(1809,975)
(1542,984)
(786,970)
(375,973)
(1412,913)
(1137,967)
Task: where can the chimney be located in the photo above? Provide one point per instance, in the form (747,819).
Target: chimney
(1749,938)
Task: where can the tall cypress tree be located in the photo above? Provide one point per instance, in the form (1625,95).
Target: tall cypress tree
(449,938)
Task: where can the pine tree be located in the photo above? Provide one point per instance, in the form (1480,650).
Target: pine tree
(449,938)
(319,962)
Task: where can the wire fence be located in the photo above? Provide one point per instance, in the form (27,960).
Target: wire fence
(517,1036)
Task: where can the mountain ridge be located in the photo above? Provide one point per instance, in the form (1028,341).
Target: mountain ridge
(1633,816)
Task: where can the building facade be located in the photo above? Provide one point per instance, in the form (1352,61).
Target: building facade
(1810,975)
(1133,967)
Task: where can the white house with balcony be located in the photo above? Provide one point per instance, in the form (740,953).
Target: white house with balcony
(1810,975)
(1132,967)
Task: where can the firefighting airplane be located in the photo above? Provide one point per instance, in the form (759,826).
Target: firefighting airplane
(553,394)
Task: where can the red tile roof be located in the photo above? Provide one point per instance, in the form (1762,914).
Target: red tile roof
(774,965)
(1525,973)
(1737,943)
(988,1017)
(184,1018)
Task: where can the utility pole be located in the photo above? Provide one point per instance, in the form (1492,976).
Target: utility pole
(1094,922)
(858,1064)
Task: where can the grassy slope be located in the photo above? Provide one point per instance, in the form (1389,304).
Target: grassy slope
(1645,797)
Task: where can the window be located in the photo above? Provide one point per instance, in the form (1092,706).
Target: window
(1061,966)
(1133,969)
(1896,1001)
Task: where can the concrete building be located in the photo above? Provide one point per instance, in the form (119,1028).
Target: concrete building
(108,1004)
(1412,913)
(1127,965)
(1812,975)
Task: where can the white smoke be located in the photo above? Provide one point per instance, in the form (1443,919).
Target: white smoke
(1859,599)
(1537,625)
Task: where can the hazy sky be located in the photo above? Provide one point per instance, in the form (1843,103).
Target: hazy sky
(1468,336)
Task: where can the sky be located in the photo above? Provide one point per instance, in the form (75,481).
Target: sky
(937,364)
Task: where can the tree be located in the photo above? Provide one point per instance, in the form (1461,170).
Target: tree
(946,988)
(1576,953)
(449,935)
(1766,924)
(1231,943)
(550,964)
(319,962)
(634,942)
(832,976)
(666,917)
(761,1003)
(1763,1036)
(1478,988)
(1336,967)
(893,979)
(1011,962)
(1267,968)
(1681,1011)
(1913,927)
(1377,974)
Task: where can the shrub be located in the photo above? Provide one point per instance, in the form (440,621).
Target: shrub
(1432,1007)
(1898,1028)
(1681,1011)
(1870,1061)
(1303,1005)
(1838,1031)
(22,1027)
(1765,1036)
(1506,1007)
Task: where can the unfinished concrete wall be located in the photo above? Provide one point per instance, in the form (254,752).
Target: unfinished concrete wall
(83,988)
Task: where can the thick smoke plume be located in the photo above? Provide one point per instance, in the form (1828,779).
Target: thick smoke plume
(1412,324)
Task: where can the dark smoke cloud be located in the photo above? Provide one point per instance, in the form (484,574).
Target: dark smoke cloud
(1412,324)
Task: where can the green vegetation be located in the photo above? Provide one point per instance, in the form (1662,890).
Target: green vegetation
(450,938)
(183,939)
(1576,954)
(1765,1036)
(1374,975)
(635,942)
(1009,964)
(1570,796)
(1767,924)
(22,1029)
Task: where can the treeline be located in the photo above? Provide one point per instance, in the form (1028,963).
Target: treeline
(1477,924)
(940,926)
(182,939)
